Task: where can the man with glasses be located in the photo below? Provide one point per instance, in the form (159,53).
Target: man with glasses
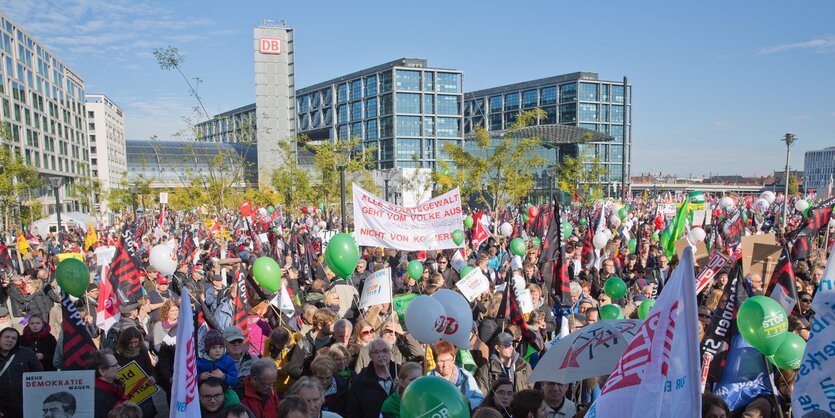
(319,337)
(450,275)
(504,362)
(556,404)
(257,392)
(374,383)
(236,349)
(211,397)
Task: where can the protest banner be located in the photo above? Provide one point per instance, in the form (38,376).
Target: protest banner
(377,289)
(667,210)
(58,394)
(326,236)
(428,226)
(136,382)
(473,284)
(717,262)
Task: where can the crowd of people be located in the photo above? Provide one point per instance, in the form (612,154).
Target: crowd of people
(326,357)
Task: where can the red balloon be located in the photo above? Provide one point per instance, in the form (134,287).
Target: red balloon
(533,211)
(304,210)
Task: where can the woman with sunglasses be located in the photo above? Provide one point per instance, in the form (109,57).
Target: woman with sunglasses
(363,334)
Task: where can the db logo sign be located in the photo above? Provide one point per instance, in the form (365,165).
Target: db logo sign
(270,45)
(446,325)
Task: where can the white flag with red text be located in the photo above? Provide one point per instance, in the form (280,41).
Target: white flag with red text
(184,400)
(658,374)
(107,312)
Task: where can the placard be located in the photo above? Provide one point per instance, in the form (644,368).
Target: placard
(163,197)
(428,226)
(700,252)
(473,284)
(58,394)
(760,254)
(136,382)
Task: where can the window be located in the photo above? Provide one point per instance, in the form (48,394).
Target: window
(550,115)
(616,153)
(588,91)
(343,133)
(428,81)
(449,105)
(328,117)
(617,113)
(510,118)
(604,113)
(356,130)
(343,114)
(568,92)
(356,110)
(529,99)
(386,149)
(408,126)
(408,148)
(449,83)
(590,126)
(495,104)
(317,100)
(356,89)
(408,80)
(443,144)
(617,93)
(429,103)
(385,82)
(371,108)
(386,128)
(371,85)
(408,103)
(385,104)
(428,126)
(604,92)
(568,113)
(617,132)
(342,93)
(303,104)
(447,127)
(326,97)
(511,101)
(315,119)
(371,129)
(496,122)
(588,112)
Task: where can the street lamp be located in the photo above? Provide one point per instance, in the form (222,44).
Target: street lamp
(343,156)
(789,138)
(56,182)
(551,172)
(133,190)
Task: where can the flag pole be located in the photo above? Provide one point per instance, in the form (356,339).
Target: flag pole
(771,384)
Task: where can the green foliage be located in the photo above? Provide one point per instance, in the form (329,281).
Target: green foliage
(794,186)
(502,168)
(581,176)
(85,189)
(122,198)
(16,178)
(329,156)
(292,184)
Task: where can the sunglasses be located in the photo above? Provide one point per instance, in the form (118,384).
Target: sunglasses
(366,332)
(806,300)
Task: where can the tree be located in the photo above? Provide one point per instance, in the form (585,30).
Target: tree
(293,185)
(86,188)
(794,186)
(328,156)
(578,177)
(500,171)
(17,179)
(124,197)
(170,58)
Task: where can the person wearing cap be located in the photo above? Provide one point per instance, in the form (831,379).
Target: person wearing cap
(504,362)
(129,318)
(161,293)
(213,360)
(236,350)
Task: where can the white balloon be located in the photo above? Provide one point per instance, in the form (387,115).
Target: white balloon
(262,211)
(506,229)
(599,240)
(768,196)
(761,205)
(323,225)
(608,233)
(163,259)
(726,203)
(458,321)
(615,221)
(801,205)
(421,315)
(697,235)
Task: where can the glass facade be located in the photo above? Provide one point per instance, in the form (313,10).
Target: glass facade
(400,108)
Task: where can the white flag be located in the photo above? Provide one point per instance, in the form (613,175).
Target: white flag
(184,401)
(815,378)
(284,302)
(781,296)
(377,289)
(458,261)
(658,374)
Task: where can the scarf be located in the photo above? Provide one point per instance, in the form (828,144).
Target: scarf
(30,337)
(130,353)
(168,325)
(115,388)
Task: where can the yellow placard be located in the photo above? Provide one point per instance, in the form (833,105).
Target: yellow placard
(136,383)
(64,256)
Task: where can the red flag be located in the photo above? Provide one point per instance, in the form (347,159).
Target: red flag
(510,309)
(107,311)
(784,276)
(125,271)
(77,341)
(187,246)
(5,258)
(245,208)
(161,221)
(240,318)
(480,233)
(808,233)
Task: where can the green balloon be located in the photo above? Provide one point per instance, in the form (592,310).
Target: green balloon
(536,242)
(525,218)
(343,254)
(73,276)
(610,311)
(632,244)
(567,229)
(415,269)
(267,273)
(270,209)
(655,236)
(433,396)
(468,221)
(465,271)
(622,213)
(763,324)
(458,236)
(275,230)
(322,207)
(518,247)
(615,288)
(643,310)
(790,353)
(583,221)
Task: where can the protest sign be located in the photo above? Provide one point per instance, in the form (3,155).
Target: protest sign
(56,393)
(136,382)
(699,250)
(377,289)
(428,226)
(64,256)
(473,284)
(717,262)
(326,236)
(760,254)
(667,210)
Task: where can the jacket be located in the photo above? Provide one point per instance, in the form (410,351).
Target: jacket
(366,397)
(11,380)
(253,401)
(18,301)
(224,363)
(450,277)
(39,303)
(42,342)
(467,385)
(488,373)
(336,395)
(108,396)
(301,355)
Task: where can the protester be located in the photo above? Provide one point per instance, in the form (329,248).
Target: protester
(311,391)
(499,395)
(214,362)
(528,403)
(236,350)
(15,360)
(462,379)
(36,336)
(374,383)
(257,392)
(109,391)
(409,371)
(293,407)
(504,362)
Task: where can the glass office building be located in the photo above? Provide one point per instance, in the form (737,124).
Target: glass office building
(577,99)
(818,169)
(237,125)
(404,109)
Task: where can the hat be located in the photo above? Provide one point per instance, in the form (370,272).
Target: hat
(642,283)
(128,308)
(232,333)
(92,286)
(162,280)
(212,338)
(504,339)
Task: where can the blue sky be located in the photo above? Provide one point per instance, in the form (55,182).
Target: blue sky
(717,84)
